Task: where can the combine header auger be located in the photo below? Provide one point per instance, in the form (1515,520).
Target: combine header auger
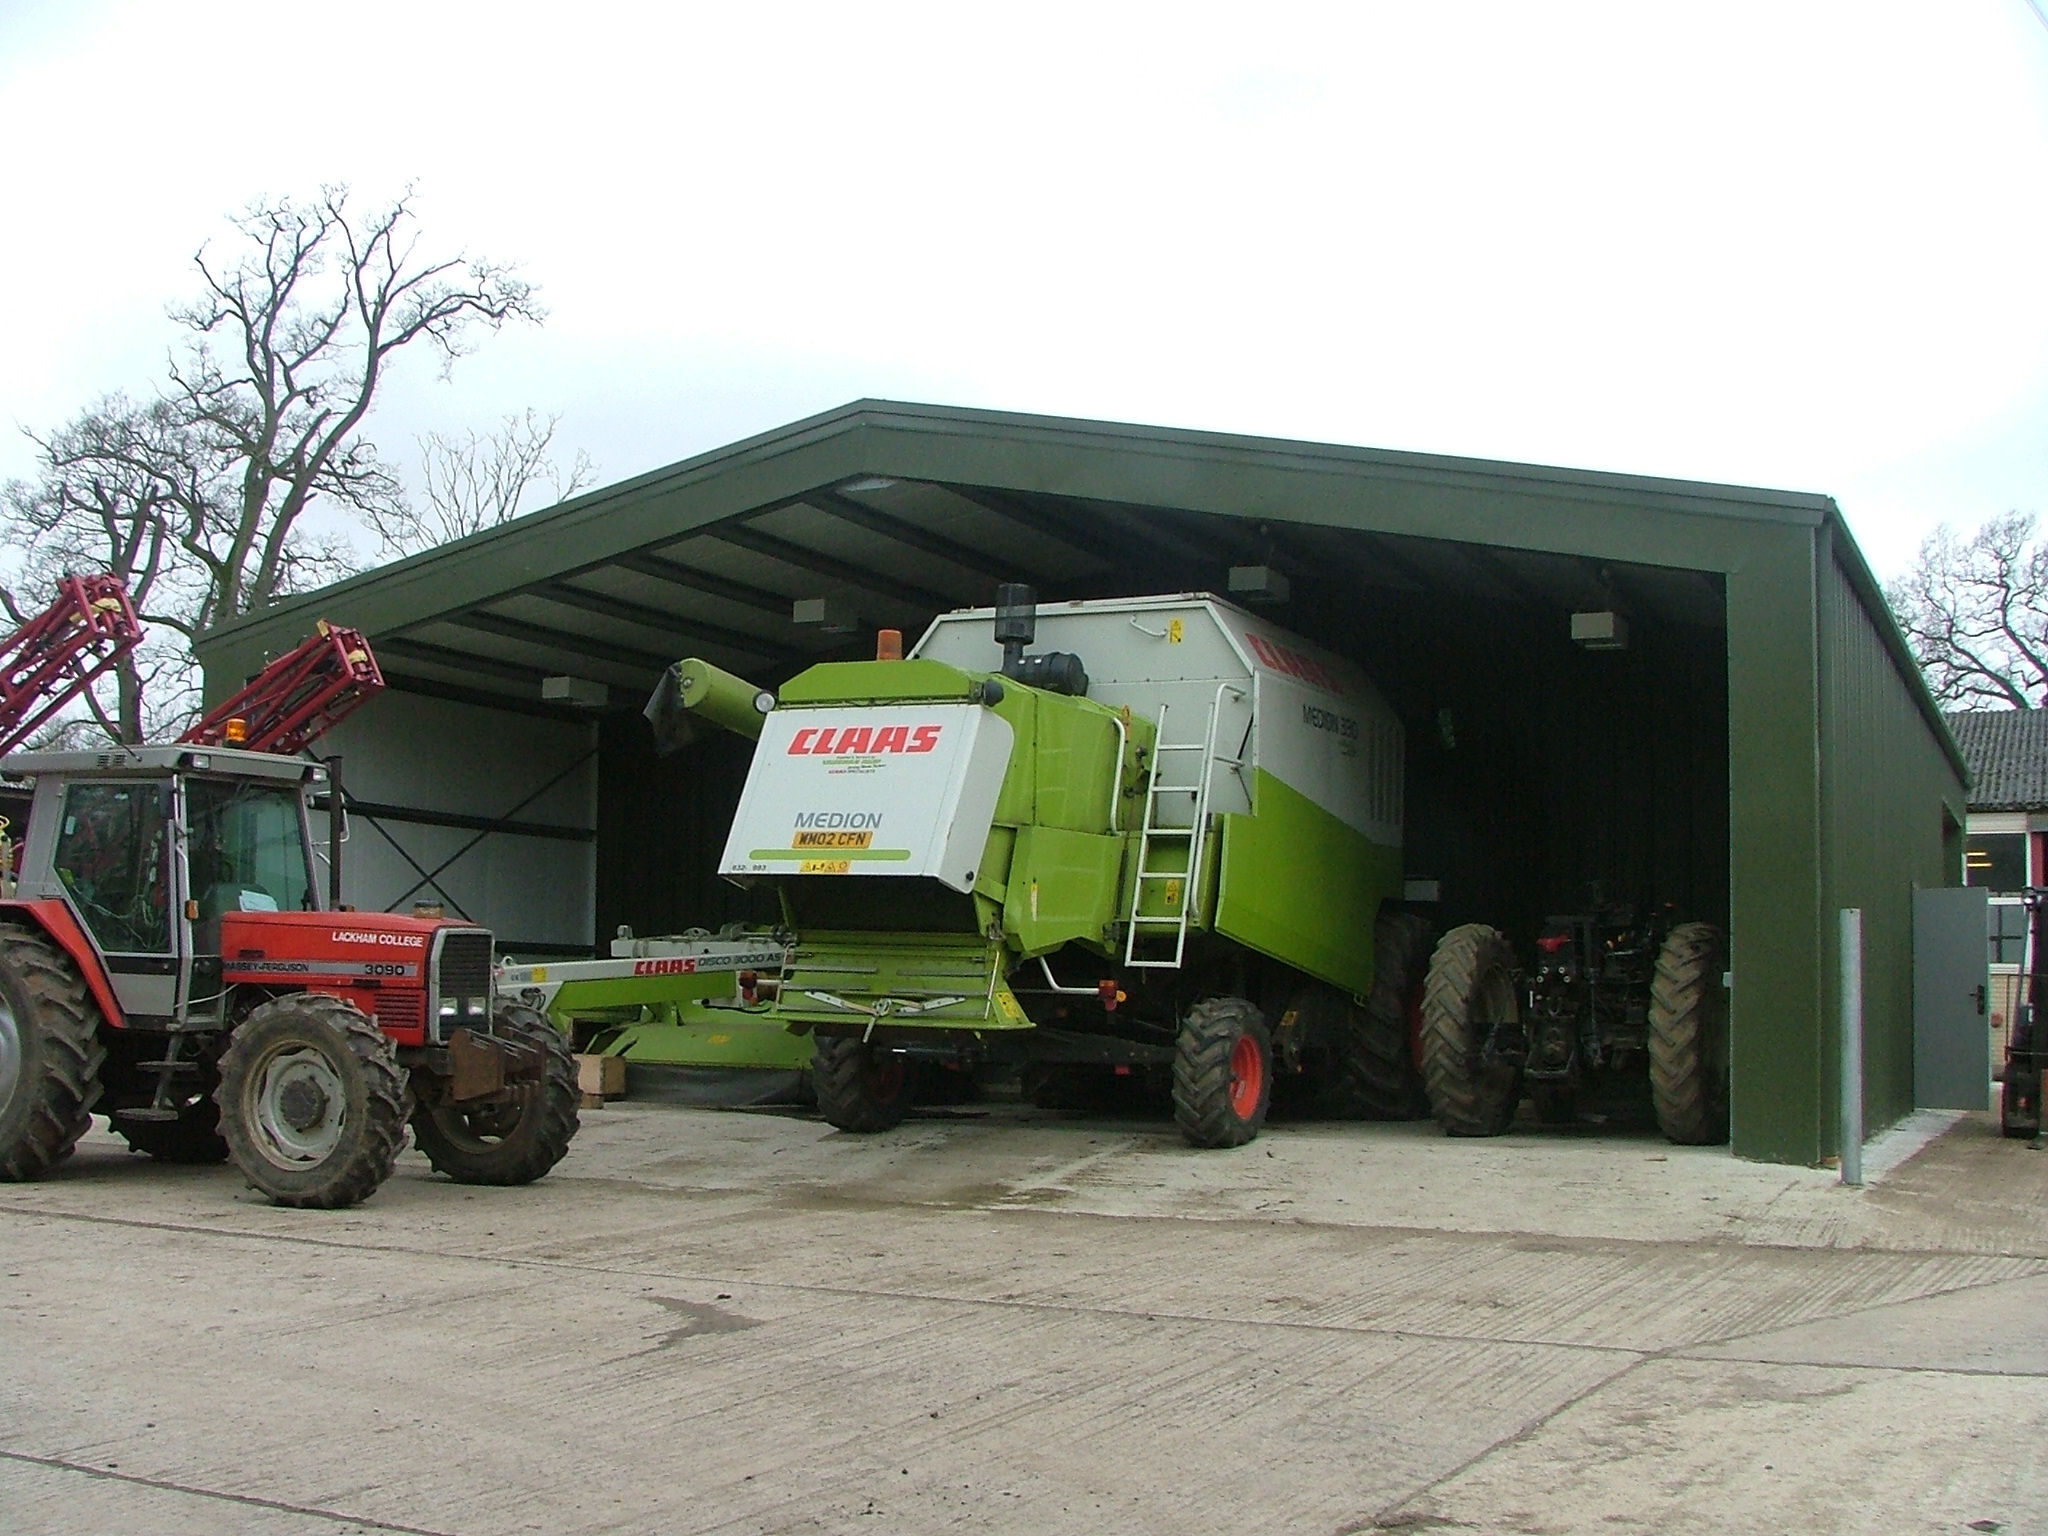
(1170,848)
(166,961)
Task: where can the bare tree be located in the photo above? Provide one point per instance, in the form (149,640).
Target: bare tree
(107,497)
(1975,612)
(290,343)
(480,480)
(245,477)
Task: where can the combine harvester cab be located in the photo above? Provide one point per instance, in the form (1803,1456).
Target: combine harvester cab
(1170,846)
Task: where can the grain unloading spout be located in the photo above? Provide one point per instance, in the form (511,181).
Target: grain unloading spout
(694,690)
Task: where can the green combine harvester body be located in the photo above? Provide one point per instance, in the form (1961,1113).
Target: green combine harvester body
(1184,814)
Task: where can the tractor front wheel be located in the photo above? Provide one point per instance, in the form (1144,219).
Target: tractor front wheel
(1222,1073)
(1689,1036)
(50,1055)
(516,1140)
(859,1087)
(1470,990)
(312,1102)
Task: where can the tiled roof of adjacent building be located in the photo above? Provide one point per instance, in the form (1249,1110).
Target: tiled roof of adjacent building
(2007,750)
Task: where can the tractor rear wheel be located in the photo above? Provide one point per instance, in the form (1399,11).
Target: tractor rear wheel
(1372,1073)
(859,1087)
(1471,988)
(517,1141)
(312,1102)
(50,1054)
(1689,1036)
(1222,1073)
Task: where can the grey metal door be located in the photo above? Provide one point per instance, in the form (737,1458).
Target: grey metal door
(1951,993)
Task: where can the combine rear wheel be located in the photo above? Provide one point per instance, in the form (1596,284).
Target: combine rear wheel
(312,1102)
(50,1055)
(518,1140)
(1222,1073)
(1471,988)
(1371,1072)
(859,1088)
(1689,1036)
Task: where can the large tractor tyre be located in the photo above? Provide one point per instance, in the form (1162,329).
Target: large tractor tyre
(859,1088)
(194,1137)
(1222,1073)
(1470,989)
(50,1055)
(514,1142)
(1372,1073)
(1689,1036)
(312,1101)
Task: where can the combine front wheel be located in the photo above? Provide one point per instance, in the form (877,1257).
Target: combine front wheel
(1689,1036)
(859,1088)
(50,1055)
(312,1102)
(1470,990)
(516,1140)
(1222,1073)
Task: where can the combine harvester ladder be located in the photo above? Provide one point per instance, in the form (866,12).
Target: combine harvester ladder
(1155,835)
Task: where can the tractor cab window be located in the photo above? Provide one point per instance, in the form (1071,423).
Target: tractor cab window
(246,849)
(113,857)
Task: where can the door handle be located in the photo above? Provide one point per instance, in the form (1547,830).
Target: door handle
(1982,993)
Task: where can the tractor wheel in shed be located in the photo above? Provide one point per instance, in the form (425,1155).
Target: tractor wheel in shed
(1470,989)
(1689,1036)
(518,1139)
(1371,1072)
(50,1055)
(312,1101)
(1222,1073)
(859,1087)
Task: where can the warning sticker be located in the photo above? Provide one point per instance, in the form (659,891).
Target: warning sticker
(825,867)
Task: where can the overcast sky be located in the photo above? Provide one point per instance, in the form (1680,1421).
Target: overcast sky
(1789,244)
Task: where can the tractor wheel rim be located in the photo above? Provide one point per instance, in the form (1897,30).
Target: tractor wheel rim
(1247,1077)
(301,1108)
(10,1053)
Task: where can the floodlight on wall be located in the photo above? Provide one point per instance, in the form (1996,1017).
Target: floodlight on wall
(828,613)
(1603,631)
(1258,584)
(578,691)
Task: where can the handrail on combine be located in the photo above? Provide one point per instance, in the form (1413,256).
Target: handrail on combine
(297,697)
(58,654)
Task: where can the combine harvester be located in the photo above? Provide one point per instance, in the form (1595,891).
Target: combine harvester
(1179,857)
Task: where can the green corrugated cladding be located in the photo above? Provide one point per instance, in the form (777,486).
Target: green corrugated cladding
(1890,807)
(1816,673)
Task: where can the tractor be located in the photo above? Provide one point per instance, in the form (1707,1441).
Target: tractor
(1613,991)
(167,958)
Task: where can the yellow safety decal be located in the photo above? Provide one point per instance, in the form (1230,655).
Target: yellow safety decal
(1173,631)
(825,867)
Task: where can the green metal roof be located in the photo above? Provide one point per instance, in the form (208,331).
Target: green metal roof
(894,512)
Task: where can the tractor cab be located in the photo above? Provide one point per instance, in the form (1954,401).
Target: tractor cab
(152,849)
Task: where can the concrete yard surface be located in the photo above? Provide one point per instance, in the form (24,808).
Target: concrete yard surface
(993,1320)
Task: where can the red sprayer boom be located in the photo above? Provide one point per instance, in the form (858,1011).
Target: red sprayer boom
(58,654)
(296,697)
